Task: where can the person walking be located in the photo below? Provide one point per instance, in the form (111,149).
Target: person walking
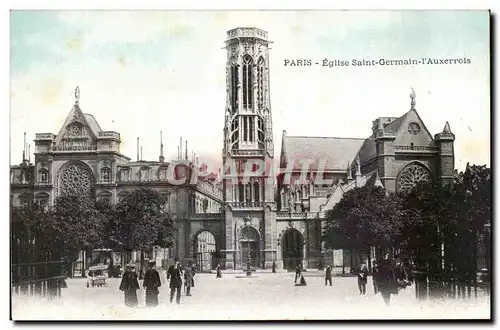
(328,275)
(386,280)
(174,274)
(362,278)
(298,274)
(218,272)
(375,274)
(188,280)
(129,285)
(274,267)
(151,283)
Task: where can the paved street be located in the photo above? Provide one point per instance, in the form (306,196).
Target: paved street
(266,296)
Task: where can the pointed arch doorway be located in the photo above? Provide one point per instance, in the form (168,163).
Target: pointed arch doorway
(292,248)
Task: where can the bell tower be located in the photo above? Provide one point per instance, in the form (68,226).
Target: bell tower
(248,144)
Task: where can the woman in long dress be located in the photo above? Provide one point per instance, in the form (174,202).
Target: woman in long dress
(129,285)
(151,283)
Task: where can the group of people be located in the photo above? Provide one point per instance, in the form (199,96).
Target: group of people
(389,276)
(175,275)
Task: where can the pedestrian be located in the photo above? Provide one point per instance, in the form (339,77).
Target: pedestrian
(375,275)
(218,272)
(298,274)
(151,283)
(362,278)
(386,280)
(188,280)
(129,285)
(274,267)
(174,273)
(328,275)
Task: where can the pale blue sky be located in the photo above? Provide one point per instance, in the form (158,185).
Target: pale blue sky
(141,72)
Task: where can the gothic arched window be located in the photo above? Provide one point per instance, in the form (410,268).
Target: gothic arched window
(249,233)
(411,175)
(235,130)
(234,88)
(75,179)
(260,83)
(247,82)
(256,192)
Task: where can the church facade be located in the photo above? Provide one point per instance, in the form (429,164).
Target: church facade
(250,215)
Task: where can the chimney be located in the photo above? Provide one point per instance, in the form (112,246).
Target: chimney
(137,148)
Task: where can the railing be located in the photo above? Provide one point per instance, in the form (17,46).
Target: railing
(246,32)
(247,205)
(44,136)
(299,215)
(206,216)
(382,133)
(416,148)
(39,279)
(109,134)
(259,152)
(74,148)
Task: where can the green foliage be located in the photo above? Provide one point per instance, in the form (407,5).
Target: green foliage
(415,221)
(143,223)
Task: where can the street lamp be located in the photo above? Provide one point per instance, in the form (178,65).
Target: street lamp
(247,220)
(487,226)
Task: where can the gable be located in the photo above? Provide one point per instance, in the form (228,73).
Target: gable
(77,130)
(420,136)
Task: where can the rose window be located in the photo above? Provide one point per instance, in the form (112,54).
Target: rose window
(412,175)
(413,128)
(76,179)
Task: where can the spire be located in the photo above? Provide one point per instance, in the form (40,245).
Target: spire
(29,153)
(24,148)
(137,148)
(180,149)
(446,128)
(141,153)
(349,175)
(186,150)
(412,97)
(162,159)
(77,95)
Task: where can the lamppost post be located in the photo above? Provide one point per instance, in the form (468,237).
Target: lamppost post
(247,220)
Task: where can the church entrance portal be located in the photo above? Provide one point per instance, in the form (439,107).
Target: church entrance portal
(205,251)
(249,247)
(292,249)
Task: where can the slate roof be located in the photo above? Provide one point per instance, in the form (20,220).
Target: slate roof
(93,123)
(394,125)
(335,152)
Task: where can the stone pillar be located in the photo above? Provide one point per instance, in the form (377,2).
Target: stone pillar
(229,248)
(269,238)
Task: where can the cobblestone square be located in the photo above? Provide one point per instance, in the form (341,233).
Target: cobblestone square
(266,296)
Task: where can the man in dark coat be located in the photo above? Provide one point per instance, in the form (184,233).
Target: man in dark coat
(151,283)
(188,279)
(386,280)
(129,285)
(362,278)
(328,275)
(174,273)
(298,273)
(218,272)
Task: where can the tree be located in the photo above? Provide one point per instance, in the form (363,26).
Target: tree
(76,222)
(363,218)
(143,222)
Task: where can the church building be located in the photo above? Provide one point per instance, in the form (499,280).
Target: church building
(241,218)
